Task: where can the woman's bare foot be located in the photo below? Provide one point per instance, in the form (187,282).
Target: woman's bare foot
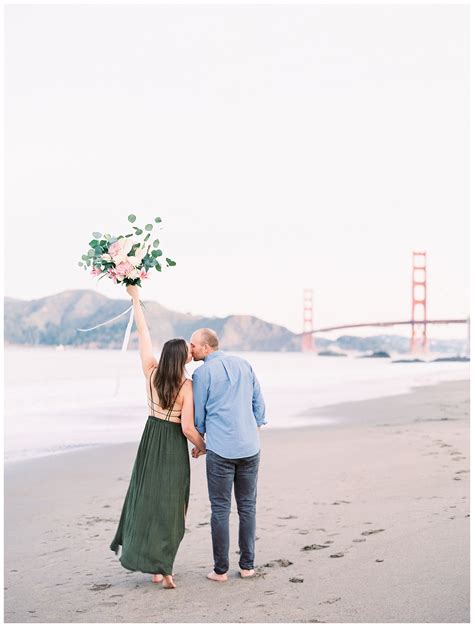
(157,578)
(247,573)
(215,577)
(168,582)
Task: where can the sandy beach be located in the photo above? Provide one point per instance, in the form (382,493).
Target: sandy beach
(366,520)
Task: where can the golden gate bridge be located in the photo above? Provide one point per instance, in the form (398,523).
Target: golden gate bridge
(418,321)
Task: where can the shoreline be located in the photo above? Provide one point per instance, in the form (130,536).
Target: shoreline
(366,524)
(334,413)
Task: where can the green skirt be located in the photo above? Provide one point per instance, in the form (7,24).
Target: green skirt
(151,525)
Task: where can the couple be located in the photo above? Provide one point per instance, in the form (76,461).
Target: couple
(223,402)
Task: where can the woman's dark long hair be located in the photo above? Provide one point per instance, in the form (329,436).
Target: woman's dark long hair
(169,374)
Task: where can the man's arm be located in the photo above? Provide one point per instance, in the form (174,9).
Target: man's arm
(200,393)
(258,404)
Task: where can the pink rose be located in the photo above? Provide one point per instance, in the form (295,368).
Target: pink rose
(114,249)
(124,268)
(143,274)
(96,271)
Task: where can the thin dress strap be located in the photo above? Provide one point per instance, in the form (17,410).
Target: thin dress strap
(152,402)
(175,399)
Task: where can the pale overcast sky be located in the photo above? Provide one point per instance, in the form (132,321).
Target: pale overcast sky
(284,147)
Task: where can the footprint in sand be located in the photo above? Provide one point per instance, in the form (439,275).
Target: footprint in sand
(100,586)
(339,502)
(296,580)
(371,531)
(340,554)
(330,601)
(314,547)
(379,560)
(287,517)
(459,472)
(280,562)
(359,540)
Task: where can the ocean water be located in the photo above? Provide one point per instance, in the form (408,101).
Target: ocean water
(57,401)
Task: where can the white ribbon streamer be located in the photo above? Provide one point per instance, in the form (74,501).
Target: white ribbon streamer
(125,342)
(108,321)
(126,339)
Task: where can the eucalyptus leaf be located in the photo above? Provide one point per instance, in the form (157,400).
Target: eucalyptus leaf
(149,227)
(138,231)
(170,262)
(157,219)
(80,264)
(147,237)
(97,235)
(156,243)
(98,250)
(158,267)
(84,257)
(132,218)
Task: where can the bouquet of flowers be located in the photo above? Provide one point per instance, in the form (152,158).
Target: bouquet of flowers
(125,259)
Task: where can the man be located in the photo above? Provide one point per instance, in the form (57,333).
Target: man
(229,409)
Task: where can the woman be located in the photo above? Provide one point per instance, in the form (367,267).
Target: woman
(151,526)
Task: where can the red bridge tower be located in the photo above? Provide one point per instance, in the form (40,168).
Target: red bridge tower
(307,342)
(418,300)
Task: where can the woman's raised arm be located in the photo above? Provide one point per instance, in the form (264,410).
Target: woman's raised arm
(147,357)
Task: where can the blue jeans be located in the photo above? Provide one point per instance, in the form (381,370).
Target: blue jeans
(222,473)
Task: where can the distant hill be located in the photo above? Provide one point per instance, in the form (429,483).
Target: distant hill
(54,320)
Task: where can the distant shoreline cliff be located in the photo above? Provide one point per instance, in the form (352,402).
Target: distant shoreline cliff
(53,320)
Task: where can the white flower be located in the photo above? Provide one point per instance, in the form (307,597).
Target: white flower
(133,274)
(106,257)
(127,243)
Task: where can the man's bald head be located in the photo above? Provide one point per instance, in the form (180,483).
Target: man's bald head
(203,342)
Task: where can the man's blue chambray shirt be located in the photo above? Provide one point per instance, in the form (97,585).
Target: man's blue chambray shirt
(228,405)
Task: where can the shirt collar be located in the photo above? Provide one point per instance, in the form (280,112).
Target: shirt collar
(213,355)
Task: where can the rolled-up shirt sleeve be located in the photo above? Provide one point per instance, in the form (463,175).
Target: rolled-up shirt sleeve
(258,404)
(200,394)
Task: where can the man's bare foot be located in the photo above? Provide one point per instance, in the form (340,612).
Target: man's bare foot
(168,582)
(215,577)
(247,573)
(157,578)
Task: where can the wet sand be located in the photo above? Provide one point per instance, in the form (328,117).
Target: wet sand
(363,521)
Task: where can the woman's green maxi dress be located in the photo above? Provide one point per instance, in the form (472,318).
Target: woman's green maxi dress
(151,525)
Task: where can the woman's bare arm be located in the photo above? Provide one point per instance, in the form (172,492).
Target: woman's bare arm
(147,357)
(187,418)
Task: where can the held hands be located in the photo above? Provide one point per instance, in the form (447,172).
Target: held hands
(196,452)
